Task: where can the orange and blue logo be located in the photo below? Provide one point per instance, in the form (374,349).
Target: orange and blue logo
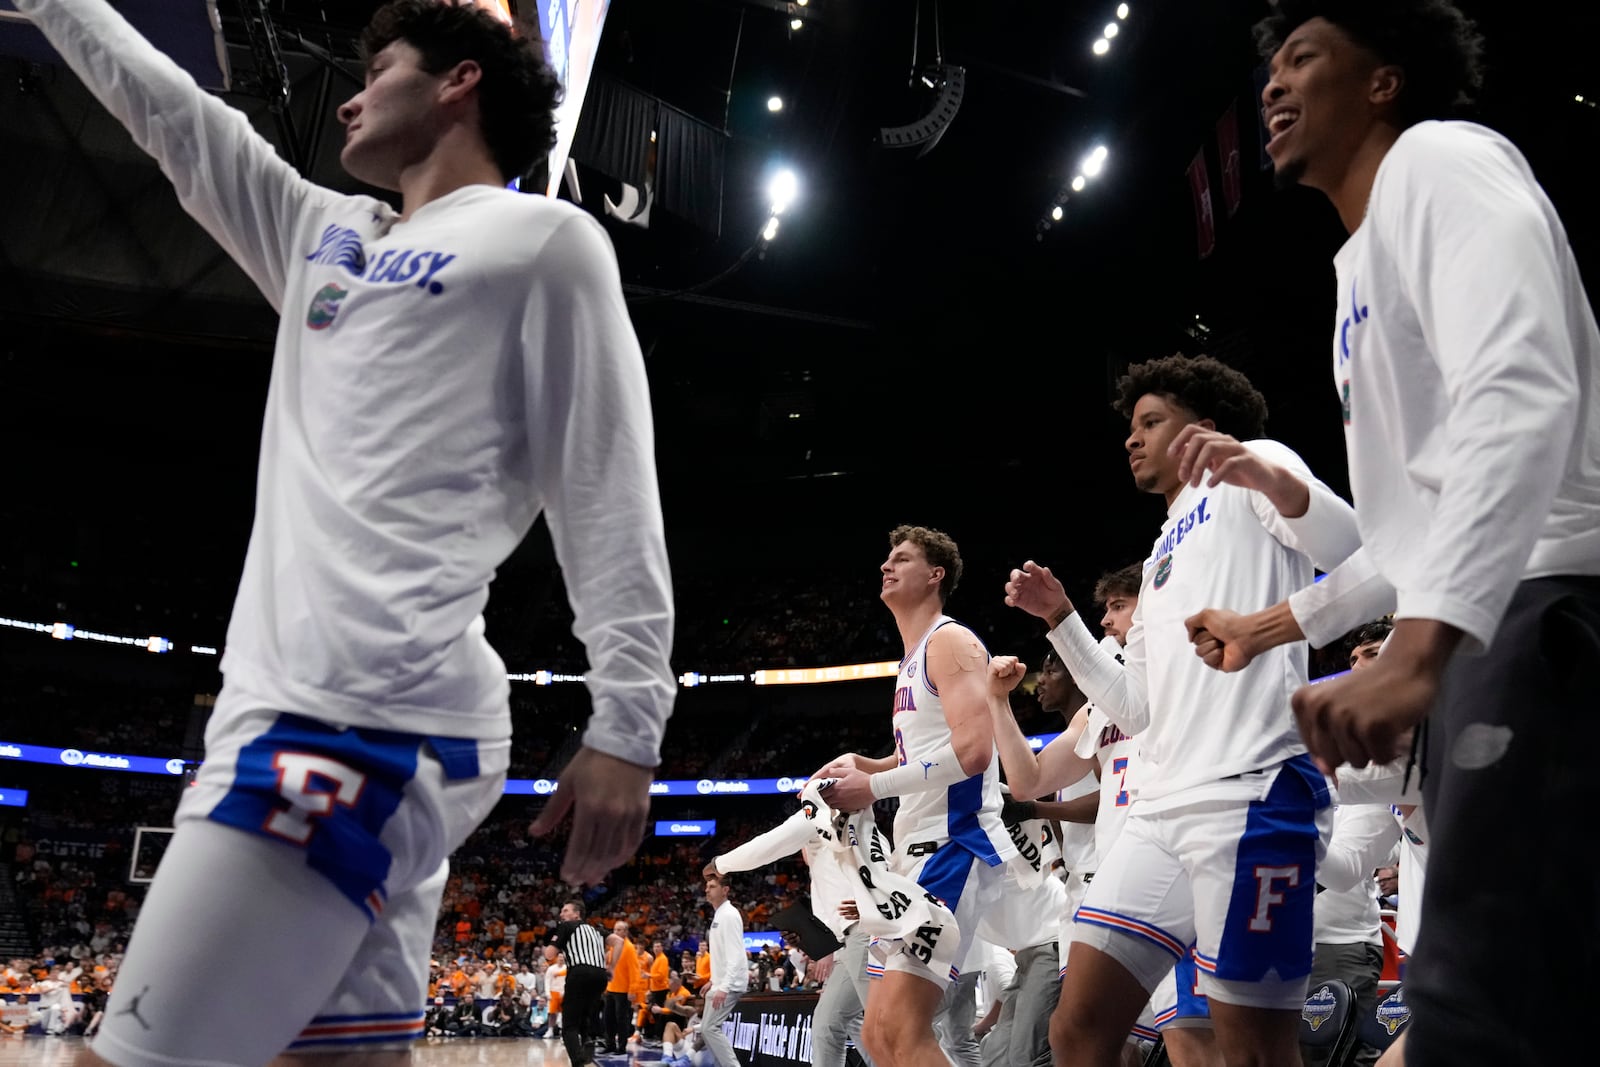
(325,306)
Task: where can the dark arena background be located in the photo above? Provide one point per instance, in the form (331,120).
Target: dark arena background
(986,216)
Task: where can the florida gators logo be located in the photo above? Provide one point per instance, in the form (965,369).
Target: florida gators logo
(324,306)
(1163,570)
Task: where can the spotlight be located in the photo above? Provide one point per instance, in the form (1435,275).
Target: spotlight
(1111,30)
(795,24)
(1055,213)
(1078,183)
(803,3)
(1101,46)
(1100,152)
(1095,163)
(774,103)
(1122,11)
(770,230)
(782,190)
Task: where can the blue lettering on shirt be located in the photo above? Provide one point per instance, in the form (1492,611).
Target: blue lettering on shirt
(1358,314)
(1182,528)
(342,247)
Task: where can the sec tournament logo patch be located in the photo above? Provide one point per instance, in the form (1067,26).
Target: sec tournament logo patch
(1319,1008)
(1163,570)
(324,306)
(1393,1012)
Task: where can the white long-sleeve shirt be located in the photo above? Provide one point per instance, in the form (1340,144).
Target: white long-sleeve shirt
(1221,547)
(437,384)
(730,963)
(1346,910)
(829,887)
(1466,355)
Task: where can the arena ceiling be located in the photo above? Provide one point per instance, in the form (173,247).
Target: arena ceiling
(915,345)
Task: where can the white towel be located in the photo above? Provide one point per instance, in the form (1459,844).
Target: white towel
(892,906)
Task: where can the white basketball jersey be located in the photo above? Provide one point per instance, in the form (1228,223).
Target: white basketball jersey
(1117,753)
(967,812)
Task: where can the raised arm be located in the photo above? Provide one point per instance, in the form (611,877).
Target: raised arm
(226,175)
(785,839)
(1030,775)
(1118,688)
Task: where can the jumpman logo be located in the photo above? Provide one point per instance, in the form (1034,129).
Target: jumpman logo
(927,765)
(133,1008)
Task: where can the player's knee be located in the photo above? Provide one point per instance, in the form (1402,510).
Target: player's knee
(1077,1034)
(898,1039)
(870,1040)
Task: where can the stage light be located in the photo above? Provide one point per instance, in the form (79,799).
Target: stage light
(782,190)
(1055,213)
(1092,167)
(774,103)
(1078,183)
(803,3)
(1111,30)
(951,83)
(795,24)
(770,230)
(1122,11)
(1101,46)
(1100,152)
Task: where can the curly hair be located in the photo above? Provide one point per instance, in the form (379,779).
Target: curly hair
(1199,384)
(940,550)
(1124,582)
(1437,46)
(518,93)
(1376,630)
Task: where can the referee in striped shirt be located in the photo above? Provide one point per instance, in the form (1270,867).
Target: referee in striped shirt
(586,981)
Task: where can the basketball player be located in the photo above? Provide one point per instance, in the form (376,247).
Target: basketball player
(730,970)
(948,834)
(1195,863)
(1177,1013)
(841,1007)
(1466,359)
(444,373)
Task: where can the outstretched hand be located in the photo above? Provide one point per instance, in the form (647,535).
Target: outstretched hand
(1035,590)
(609,800)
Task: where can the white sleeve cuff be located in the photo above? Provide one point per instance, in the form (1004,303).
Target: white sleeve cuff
(938,770)
(1351,595)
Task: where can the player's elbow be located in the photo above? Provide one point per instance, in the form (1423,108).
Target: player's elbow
(973,756)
